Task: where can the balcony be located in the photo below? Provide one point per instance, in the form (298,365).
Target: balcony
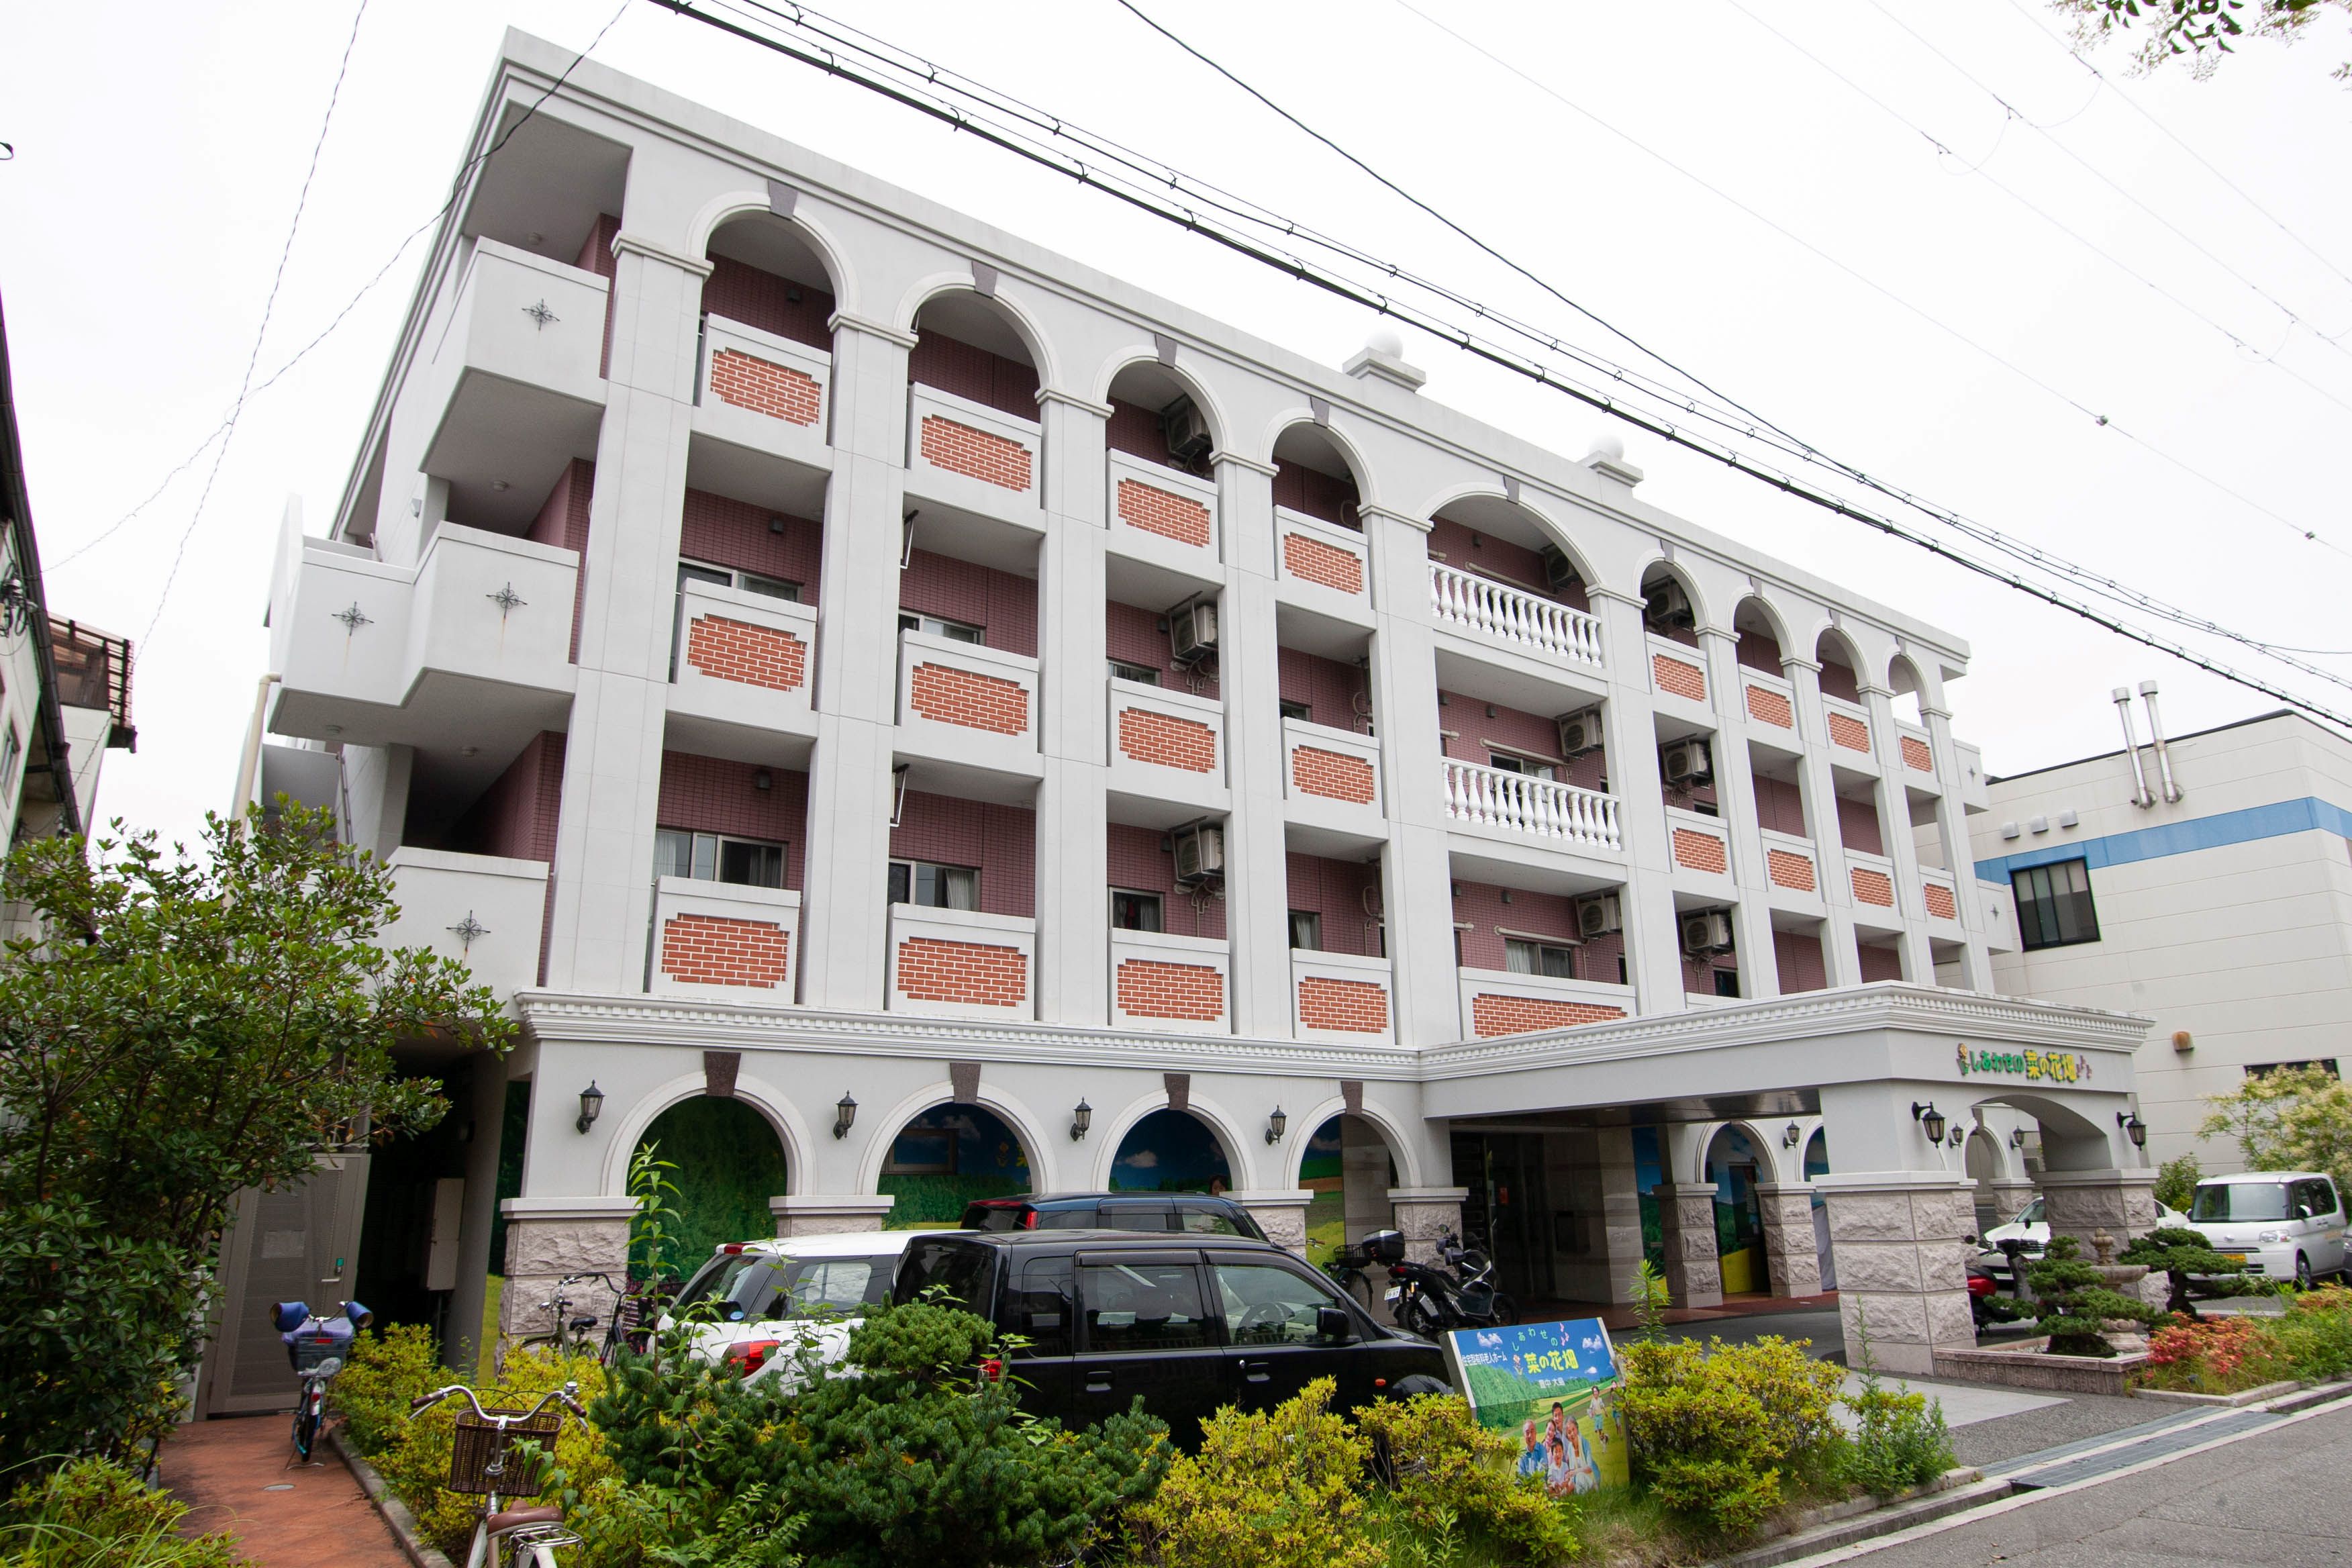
(483,910)
(1678,676)
(722,939)
(2001,916)
(1772,705)
(1701,846)
(744,659)
(972,459)
(1321,566)
(1332,777)
(1165,744)
(476,636)
(962,702)
(1582,820)
(1872,878)
(1972,777)
(1793,871)
(1940,893)
(759,394)
(513,387)
(1160,980)
(1850,733)
(1340,998)
(1159,515)
(960,963)
(1513,618)
(1496,1002)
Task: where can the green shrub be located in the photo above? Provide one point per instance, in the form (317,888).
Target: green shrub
(2073,1302)
(2176,1182)
(1446,1473)
(1715,1431)
(1278,1488)
(2315,1336)
(1900,1440)
(93,1513)
(2178,1253)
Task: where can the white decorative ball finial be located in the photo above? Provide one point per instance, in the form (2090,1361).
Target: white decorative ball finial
(1385,341)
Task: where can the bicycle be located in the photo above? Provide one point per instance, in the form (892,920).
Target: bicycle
(479,1459)
(316,1345)
(569,1333)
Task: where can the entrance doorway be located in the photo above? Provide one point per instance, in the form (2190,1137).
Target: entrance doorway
(1506,1211)
(1733,1163)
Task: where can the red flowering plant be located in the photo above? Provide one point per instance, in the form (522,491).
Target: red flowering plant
(2211,1355)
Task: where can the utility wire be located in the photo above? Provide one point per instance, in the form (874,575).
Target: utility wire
(915,95)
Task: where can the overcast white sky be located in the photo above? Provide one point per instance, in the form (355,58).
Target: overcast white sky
(159,149)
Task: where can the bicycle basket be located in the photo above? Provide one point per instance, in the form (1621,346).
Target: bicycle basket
(316,1352)
(479,1445)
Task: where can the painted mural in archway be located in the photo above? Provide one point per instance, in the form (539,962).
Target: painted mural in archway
(1817,1163)
(945,1157)
(1735,1166)
(1348,1168)
(729,1164)
(1171,1151)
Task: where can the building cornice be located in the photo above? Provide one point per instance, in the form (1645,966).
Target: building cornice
(1238,461)
(627,244)
(872,329)
(1418,524)
(1071,400)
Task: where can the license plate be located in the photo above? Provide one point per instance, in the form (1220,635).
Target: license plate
(1393,1293)
(2235,1257)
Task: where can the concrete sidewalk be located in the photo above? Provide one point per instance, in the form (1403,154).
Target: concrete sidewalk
(238,1475)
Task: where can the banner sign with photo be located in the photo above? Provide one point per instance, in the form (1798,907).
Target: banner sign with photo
(1552,1388)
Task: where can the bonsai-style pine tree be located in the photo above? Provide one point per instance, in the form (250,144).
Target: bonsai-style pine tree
(2073,1304)
(2177,1254)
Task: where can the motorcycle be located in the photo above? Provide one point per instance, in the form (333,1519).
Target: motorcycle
(315,1346)
(1430,1301)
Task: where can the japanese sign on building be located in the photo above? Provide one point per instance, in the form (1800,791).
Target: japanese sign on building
(2034,1067)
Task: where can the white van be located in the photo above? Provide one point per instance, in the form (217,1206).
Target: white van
(2282,1224)
(755,1303)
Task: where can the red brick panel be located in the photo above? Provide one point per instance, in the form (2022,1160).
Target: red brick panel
(953,696)
(1491,1015)
(1344,1007)
(1915,754)
(1172,742)
(1941,905)
(1700,851)
(1148,989)
(1679,676)
(1789,869)
(978,973)
(1768,706)
(982,455)
(777,391)
(1163,512)
(727,649)
(1320,563)
(711,949)
(1873,888)
(1332,775)
(1850,732)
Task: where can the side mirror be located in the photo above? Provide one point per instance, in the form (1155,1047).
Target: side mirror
(1333,1324)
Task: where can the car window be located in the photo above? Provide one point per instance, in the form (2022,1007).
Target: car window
(2325,1193)
(1202,1220)
(1069,1219)
(2314,1196)
(960,1268)
(2225,1201)
(822,1287)
(730,1289)
(1038,1308)
(2032,1214)
(1266,1304)
(1135,1216)
(1131,1307)
(992,1217)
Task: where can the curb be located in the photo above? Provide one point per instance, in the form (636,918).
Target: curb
(2268,1391)
(394,1513)
(1953,1496)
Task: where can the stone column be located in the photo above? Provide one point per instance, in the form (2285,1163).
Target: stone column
(548,1238)
(1694,1271)
(1796,1268)
(1073,976)
(1423,1214)
(1281,1212)
(1902,1267)
(2080,1204)
(830,1213)
(1839,963)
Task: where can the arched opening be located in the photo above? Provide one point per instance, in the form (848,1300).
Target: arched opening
(1155,416)
(728,1163)
(1735,1163)
(1350,1168)
(1171,1151)
(1817,1164)
(1759,636)
(1670,607)
(1903,675)
(1838,664)
(945,1157)
(1984,1168)
(1490,537)
(967,346)
(1312,477)
(765,274)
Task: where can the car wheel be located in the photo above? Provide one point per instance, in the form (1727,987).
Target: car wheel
(2302,1280)
(1416,1386)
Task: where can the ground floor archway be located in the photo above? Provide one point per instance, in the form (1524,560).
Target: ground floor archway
(1350,1168)
(728,1163)
(1171,1151)
(945,1157)
(1735,1164)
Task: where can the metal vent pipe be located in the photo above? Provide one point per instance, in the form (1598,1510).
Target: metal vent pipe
(2140,797)
(2156,734)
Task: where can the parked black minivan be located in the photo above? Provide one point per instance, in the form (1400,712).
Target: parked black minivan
(1195,1213)
(1189,1323)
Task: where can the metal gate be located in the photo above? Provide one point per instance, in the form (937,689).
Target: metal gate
(299,1243)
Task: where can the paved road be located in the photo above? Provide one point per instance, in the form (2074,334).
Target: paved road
(2273,1500)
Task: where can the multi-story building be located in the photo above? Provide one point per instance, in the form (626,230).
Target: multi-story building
(2204,880)
(906,715)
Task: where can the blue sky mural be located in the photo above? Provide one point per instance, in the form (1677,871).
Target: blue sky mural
(1169,1151)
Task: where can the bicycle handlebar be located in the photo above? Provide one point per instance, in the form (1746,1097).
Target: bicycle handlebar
(568,1396)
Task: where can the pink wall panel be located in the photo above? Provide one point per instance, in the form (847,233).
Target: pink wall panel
(1858,827)
(961,591)
(1318,495)
(1879,963)
(1335,889)
(1328,687)
(1698,973)
(1138,864)
(1001,840)
(1480,905)
(1514,729)
(742,292)
(515,817)
(563,522)
(1837,680)
(1779,807)
(1798,958)
(1759,651)
(1473,550)
(990,380)
(596,255)
(1136,430)
(729,533)
(713,795)
(1135,637)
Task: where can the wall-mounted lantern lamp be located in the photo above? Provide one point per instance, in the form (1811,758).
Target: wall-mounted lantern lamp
(1082,1117)
(1959,1136)
(592,1106)
(1274,1125)
(2134,1128)
(845,1116)
(1931,1120)
(2017,1137)
(1789,1134)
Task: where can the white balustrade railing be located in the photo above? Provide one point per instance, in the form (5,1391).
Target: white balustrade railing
(1545,808)
(1511,614)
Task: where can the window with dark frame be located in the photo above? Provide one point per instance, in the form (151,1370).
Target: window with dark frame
(717,858)
(1726,983)
(1298,711)
(2053,905)
(934,887)
(1127,669)
(1556,961)
(940,627)
(1135,911)
(1306,930)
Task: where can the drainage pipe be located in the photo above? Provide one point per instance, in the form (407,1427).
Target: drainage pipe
(2156,734)
(2140,796)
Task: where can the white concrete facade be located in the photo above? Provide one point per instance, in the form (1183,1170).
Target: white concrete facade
(454,662)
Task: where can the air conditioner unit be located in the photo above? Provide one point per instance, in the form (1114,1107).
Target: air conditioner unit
(1192,631)
(1686,763)
(1186,430)
(1598,916)
(1581,732)
(1666,604)
(1559,572)
(1707,932)
(1200,853)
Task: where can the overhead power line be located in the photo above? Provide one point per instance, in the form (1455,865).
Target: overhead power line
(914,87)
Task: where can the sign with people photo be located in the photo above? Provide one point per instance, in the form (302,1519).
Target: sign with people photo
(1552,1387)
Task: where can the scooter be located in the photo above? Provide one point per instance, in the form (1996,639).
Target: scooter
(1429,1301)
